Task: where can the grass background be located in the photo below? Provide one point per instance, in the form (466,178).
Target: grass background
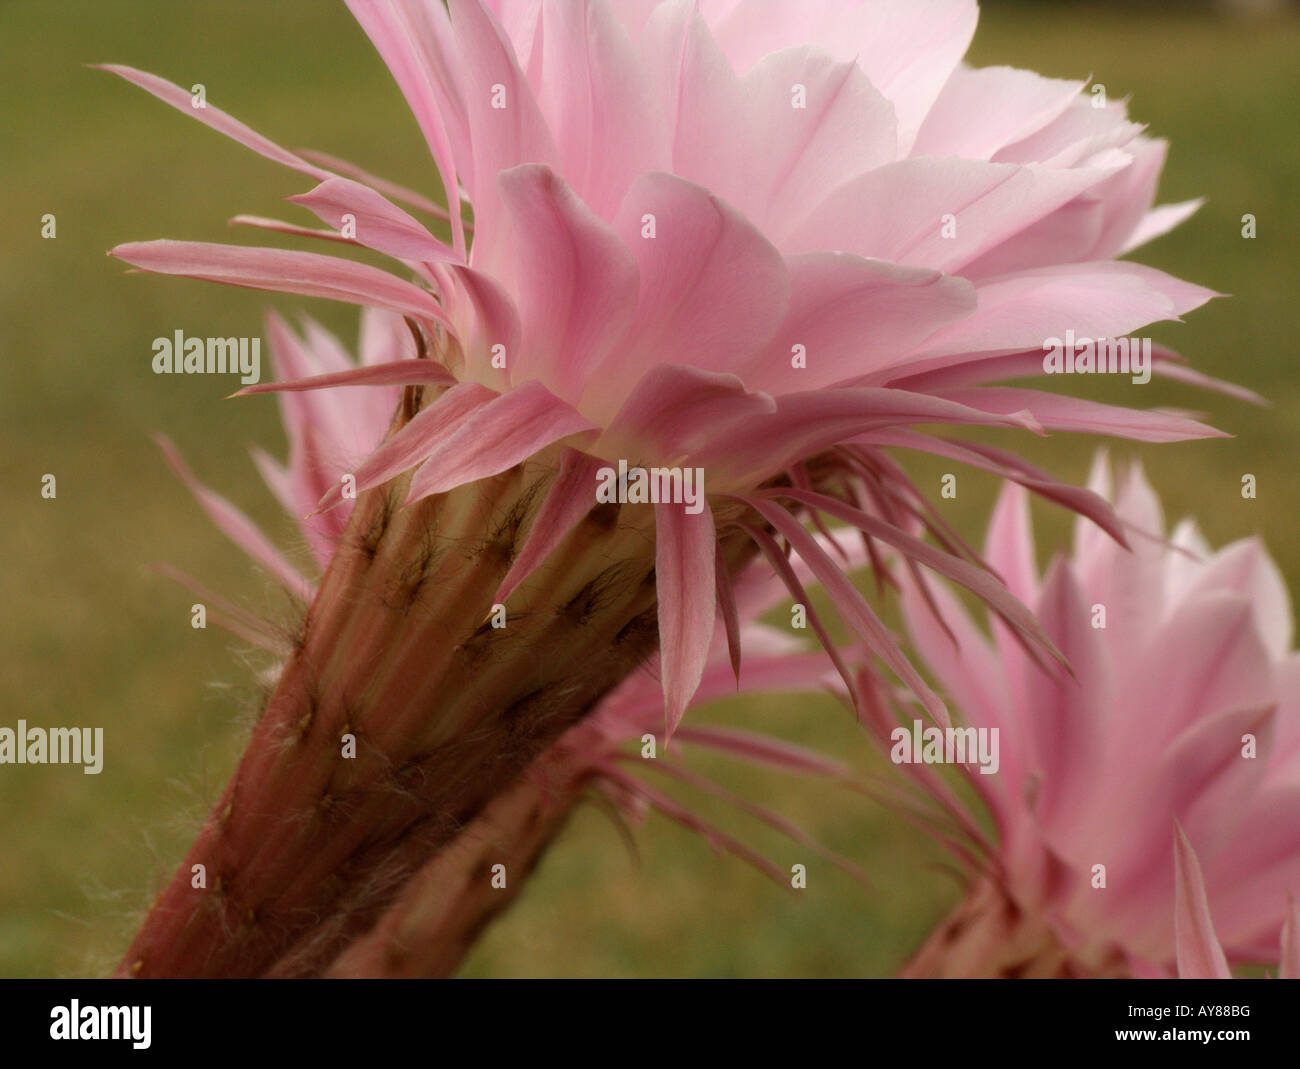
(90,636)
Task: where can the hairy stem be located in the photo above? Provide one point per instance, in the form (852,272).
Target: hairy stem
(402,714)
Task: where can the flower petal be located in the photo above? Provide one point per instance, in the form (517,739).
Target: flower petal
(1200,957)
(569,498)
(283,271)
(687,590)
(498,435)
(576,281)
(379,224)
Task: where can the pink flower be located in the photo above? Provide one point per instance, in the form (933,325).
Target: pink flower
(1184,704)
(721,236)
(757,242)
(591,755)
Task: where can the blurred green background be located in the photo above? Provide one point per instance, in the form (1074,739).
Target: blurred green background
(91,637)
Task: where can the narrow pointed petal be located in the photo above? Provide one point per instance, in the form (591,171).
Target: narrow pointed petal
(379,223)
(684,576)
(380,185)
(785,570)
(570,497)
(1009,546)
(851,603)
(393,36)
(498,435)
(809,421)
(1289,968)
(236,526)
(1086,503)
(414,442)
(183,101)
(727,609)
(976,580)
(279,226)
(308,273)
(398,373)
(1061,413)
(1159,221)
(763,749)
(1200,957)
(719,840)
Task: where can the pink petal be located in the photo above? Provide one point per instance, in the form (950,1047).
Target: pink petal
(675,410)
(485,317)
(502,137)
(1009,546)
(214,117)
(1289,967)
(577,282)
(283,271)
(417,440)
(1099,300)
(853,316)
(379,185)
(568,500)
(712,288)
(279,226)
(1069,718)
(1159,221)
(1061,413)
(701,99)
(398,373)
(379,224)
(782,566)
(236,526)
(974,579)
(1200,957)
(981,111)
(394,36)
(1007,465)
(498,435)
(843,128)
(805,423)
(907,48)
(726,595)
(600,111)
(857,613)
(684,577)
(906,202)
(1245,568)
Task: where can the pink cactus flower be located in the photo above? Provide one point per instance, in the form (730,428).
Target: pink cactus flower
(1184,705)
(440,912)
(733,250)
